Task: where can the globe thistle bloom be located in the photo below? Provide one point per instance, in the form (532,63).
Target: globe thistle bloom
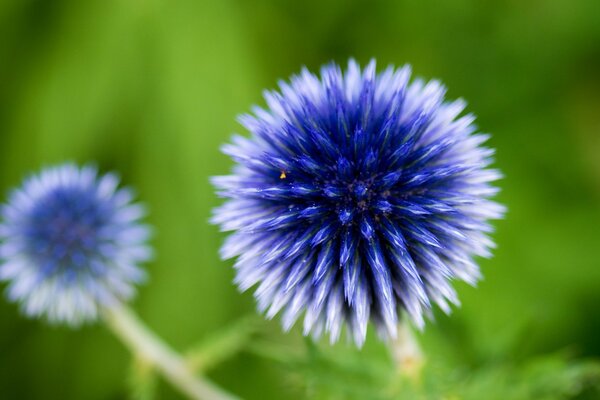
(71,244)
(358,196)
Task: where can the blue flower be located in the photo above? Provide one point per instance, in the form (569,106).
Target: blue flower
(71,244)
(358,196)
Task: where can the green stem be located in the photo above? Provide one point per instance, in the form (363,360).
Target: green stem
(407,353)
(148,346)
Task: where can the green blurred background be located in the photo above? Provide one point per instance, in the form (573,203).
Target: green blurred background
(151,89)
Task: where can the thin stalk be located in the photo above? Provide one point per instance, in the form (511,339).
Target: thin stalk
(148,346)
(407,353)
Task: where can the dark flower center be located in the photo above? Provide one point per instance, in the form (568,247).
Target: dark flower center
(66,229)
(356,199)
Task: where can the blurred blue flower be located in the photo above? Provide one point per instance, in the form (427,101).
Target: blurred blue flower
(358,196)
(71,244)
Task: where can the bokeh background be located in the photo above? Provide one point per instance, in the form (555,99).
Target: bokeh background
(151,89)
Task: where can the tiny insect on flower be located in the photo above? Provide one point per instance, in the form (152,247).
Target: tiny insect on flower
(71,243)
(357,197)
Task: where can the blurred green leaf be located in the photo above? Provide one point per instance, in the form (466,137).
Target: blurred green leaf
(222,344)
(142,380)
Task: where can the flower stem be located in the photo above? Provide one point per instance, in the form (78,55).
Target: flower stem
(148,346)
(407,353)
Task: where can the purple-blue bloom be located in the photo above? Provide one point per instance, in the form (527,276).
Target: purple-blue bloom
(71,243)
(358,196)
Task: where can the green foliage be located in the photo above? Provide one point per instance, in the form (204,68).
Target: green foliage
(142,380)
(223,344)
(347,374)
(322,373)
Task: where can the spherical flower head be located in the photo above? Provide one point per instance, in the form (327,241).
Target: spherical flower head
(358,196)
(71,243)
